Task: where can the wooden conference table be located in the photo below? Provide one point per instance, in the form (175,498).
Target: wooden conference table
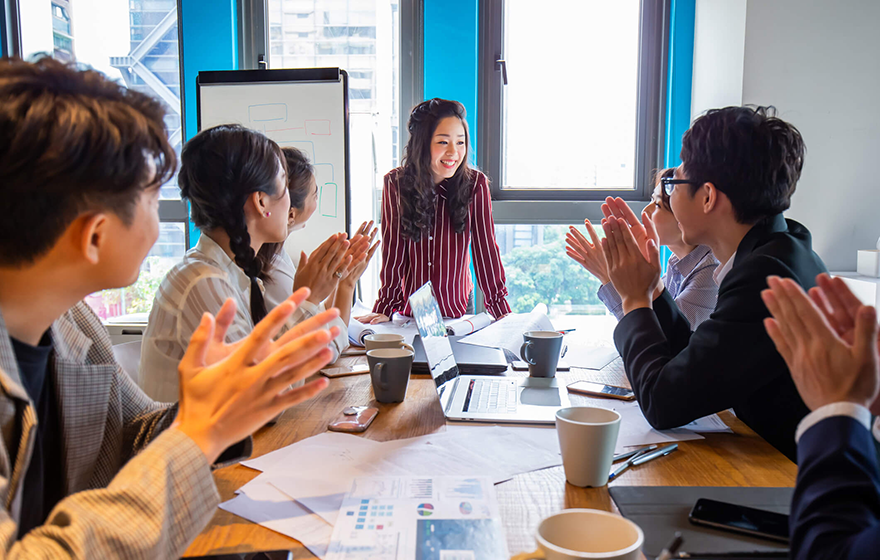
(739,459)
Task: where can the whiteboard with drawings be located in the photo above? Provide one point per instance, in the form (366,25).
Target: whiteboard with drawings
(304,108)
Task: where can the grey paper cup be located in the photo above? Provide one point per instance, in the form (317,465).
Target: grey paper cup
(587,437)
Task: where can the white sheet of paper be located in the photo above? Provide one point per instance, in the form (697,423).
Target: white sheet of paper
(324,473)
(508,332)
(589,357)
(265,505)
(711,424)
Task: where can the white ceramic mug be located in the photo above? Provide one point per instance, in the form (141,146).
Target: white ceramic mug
(385,340)
(587,437)
(575,534)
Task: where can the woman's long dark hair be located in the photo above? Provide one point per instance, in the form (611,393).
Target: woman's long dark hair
(299,172)
(417,182)
(220,168)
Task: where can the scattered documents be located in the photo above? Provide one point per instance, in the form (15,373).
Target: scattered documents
(507,333)
(387,518)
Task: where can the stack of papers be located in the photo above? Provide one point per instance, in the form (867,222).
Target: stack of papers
(302,486)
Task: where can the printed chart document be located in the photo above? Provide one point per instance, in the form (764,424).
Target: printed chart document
(419,518)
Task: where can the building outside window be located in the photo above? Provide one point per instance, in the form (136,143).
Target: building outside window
(135,43)
(361,37)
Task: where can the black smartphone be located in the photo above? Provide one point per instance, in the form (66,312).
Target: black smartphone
(740,519)
(601,390)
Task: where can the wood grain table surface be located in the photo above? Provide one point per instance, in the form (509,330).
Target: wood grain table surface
(739,459)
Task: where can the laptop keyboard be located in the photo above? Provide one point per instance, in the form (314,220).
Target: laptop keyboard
(488,395)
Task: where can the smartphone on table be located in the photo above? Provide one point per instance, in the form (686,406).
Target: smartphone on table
(754,522)
(354,419)
(601,390)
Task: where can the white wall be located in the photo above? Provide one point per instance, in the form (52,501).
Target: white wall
(719,42)
(36,27)
(816,61)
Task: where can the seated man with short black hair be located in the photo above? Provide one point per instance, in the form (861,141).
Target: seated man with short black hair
(739,168)
(89,466)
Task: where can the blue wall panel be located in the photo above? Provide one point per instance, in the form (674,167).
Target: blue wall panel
(450,56)
(208,41)
(680,77)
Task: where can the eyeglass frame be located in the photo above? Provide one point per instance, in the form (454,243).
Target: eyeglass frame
(669,183)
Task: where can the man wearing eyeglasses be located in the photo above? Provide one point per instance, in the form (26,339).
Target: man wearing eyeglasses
(740,167)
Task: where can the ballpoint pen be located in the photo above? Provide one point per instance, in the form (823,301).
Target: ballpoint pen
(629,462)
(670,548)
(653,455)
(566,331)
(782,553)
(629,454)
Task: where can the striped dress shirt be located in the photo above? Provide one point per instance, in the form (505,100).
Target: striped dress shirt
(689,281)
(442,255)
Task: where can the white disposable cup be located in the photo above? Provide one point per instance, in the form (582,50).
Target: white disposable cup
(587,437)
(575,534)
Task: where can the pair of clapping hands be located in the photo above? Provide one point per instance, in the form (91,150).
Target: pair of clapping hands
(337,260)
(228,391)
(628,256)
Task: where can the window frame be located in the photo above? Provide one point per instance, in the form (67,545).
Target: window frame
(548,206)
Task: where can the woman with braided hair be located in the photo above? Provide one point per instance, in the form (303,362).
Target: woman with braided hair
(235,180)
(433,207)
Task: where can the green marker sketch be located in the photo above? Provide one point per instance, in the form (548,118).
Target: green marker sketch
(335,204)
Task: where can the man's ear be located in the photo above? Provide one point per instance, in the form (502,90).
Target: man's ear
(93,234)
(709,195)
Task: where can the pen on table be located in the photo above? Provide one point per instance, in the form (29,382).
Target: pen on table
(659,453)
(566,331)
(630,461)
(670,548)
(629,454)
(782,553)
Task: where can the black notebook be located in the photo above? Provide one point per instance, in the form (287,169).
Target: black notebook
(662,510)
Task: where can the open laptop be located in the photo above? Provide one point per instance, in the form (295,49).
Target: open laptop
(476,398)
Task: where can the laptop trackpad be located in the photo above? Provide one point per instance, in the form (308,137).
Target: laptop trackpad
(538,396)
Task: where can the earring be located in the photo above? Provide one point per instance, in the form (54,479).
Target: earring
(268,214)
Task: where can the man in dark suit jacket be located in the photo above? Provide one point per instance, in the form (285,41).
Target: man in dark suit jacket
(835,511)
(740,167)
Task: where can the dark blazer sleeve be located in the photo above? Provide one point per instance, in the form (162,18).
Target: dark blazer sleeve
(835,511)
(679,375)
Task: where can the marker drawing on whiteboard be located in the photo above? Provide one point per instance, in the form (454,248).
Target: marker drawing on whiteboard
(328,200)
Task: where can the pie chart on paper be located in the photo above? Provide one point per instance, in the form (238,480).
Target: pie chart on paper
(425,510)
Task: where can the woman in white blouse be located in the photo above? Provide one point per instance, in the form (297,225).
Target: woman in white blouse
(235,181)
(329,286)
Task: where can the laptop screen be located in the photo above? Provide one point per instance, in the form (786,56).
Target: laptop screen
(438,351)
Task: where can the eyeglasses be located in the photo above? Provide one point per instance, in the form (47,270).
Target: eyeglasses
(669,183)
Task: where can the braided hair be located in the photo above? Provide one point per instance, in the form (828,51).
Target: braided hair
(220,168)
(417,182)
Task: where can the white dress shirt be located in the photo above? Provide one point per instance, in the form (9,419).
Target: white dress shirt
(202,281)
(722,271)
(856,411)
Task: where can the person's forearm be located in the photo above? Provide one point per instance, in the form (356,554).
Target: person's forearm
(342,300)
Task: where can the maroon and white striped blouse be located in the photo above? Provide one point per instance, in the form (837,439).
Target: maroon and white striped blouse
(442,256)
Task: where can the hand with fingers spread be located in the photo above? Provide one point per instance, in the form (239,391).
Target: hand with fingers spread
(827,366)
(224,401)
(588,255)
(634,277)
(322,270)
(362,250)
(642,232)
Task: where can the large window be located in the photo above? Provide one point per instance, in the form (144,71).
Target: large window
(135,43)
(570,97)
(361,37)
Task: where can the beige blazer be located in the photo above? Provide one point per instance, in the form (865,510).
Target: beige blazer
(133,491)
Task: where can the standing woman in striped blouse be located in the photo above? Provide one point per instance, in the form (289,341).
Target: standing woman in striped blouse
(433,207)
